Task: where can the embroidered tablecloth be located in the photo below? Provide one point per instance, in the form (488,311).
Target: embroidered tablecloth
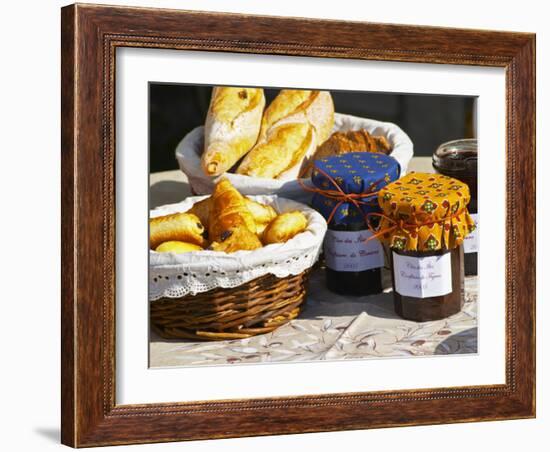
(334,327)
(330,327)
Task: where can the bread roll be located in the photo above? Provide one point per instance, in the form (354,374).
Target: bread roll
(183,227)
(293,125)
(232,126)
(284,227)
(177,247)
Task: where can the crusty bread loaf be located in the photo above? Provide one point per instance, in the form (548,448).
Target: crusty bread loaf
(232,126)
(352,141)
(293,125)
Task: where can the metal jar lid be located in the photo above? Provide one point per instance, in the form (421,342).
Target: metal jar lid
(457,156)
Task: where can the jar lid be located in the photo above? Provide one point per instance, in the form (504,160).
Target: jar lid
(354,173)
(458,156)
(425,212)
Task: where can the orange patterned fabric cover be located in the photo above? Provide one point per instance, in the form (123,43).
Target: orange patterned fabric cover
(424,212)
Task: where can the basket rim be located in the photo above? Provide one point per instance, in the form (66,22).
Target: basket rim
(172,275)
(191,162)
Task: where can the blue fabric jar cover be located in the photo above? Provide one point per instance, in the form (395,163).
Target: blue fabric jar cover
(354,173)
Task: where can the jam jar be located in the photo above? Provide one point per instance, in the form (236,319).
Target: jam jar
(345,192)
(458,159)
(425,222)
(435,304)
(347,274)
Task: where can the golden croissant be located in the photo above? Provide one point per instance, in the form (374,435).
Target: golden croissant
(230,220)
(184,227)
(202,210)
(261,213)
(236,237)
(232,126)
(293,125)
(284,227)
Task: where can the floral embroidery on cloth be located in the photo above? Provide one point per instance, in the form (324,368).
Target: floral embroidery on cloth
(425,212)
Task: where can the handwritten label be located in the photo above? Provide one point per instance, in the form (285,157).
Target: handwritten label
(471,240)
(349,251)
(422,277)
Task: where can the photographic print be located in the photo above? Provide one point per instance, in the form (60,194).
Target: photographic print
(307,191)
(291,225)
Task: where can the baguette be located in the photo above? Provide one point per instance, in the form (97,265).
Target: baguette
(293,125)
(232,126)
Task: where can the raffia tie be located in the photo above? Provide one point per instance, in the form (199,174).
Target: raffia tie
(401,224)
(338,194)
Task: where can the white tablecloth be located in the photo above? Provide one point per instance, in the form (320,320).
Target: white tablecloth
(331,326)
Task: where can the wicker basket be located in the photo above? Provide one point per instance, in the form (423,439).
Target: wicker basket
(190,148)
(256,307)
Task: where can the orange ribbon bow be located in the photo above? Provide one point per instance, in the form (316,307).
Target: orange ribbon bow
(402,225)
(338,194)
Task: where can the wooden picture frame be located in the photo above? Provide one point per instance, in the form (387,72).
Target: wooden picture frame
(90,36)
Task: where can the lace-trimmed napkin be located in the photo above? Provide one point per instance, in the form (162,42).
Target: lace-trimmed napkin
(176,275)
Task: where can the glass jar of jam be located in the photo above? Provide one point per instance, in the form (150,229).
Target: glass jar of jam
(436,302)
(345,192)
(458,159)
(424,222)
(357,272)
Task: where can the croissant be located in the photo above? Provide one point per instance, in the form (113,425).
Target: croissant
(229,217)
(184,227)
(236,237)
(293,125)
(202,210)
(232,126)
(174,246)
(284,227)
(261,213)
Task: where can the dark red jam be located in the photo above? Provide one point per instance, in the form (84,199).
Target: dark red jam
(350,280)
(427,285)
(346,193)
(458,159)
